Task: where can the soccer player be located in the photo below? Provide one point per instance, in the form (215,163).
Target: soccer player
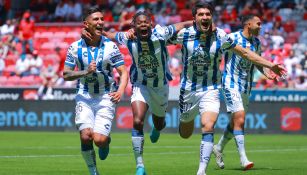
(237,82)
(203,45)
(97,92)
(149,75)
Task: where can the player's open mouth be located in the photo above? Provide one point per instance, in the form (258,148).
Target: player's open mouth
(205,24)
(144,32)
(99,28)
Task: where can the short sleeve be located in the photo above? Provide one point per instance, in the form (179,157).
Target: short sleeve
(178,38)
(121,38)
(71,56)
(115,56)
(226,41)
(166,31)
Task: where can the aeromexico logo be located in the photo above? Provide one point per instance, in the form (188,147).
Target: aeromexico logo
(124,117)
(291,119)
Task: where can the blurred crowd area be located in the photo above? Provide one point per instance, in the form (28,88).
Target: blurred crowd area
(35,35)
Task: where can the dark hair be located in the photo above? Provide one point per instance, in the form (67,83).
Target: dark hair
(246,18)
(139,14)
(202,4)
(90,11)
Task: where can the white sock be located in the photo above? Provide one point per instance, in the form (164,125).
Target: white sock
(49,91)
(138,144)
(228,135)
(90,160)
(40,90)
(206,147)
(239,138)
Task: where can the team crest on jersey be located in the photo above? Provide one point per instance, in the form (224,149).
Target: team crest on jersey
(200,57)
(84,54)
(147,61)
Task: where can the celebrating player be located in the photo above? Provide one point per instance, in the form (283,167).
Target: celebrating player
(97,92)
(237,82)
(203,45)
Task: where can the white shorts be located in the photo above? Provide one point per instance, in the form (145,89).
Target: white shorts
(235,100)
(96,113)
(193,103)
(156,98)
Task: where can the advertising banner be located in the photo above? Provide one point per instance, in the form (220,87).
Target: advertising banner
(262,117)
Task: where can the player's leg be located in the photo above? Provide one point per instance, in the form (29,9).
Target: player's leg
(157,106)
(219,147)
(188,105)
(209,108)
(238,119)
(228,132)
(139,110)
(84,122)
(105,110)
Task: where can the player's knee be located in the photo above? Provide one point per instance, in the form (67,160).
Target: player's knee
(101,141)
(86,137)
(239,122)
(138,124)
(208,127)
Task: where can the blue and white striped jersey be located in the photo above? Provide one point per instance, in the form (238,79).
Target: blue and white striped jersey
(201,57)
(238,72)
(149,58)
(107,56)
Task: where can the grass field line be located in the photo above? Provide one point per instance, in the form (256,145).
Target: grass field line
(158,153)
(129,147)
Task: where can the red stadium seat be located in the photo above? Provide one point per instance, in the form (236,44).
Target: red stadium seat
(3,80)
(26,81)
(13,80)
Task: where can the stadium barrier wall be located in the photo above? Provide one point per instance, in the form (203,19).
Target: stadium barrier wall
(69,94)
(58,115)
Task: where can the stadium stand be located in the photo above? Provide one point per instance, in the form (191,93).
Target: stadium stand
(284,30)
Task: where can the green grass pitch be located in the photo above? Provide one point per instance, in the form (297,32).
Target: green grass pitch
(58,153)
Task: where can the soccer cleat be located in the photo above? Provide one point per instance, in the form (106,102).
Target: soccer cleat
(218,157)
(154,135)
(246,165)
(140,171)
(104,152)
(201,172)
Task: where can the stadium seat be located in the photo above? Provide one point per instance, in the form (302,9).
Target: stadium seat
(60,34)
(186,14)
(3,80)
(26,81)
(73,34)
(46,35)
(13,81)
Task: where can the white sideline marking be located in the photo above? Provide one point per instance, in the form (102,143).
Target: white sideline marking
(303,149)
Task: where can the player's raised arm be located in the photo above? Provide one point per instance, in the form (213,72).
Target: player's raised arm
(258,60)
(181,25)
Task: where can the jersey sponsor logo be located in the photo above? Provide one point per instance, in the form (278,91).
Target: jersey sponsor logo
(90,79)
(291,119)
(147,61)
(150,75)
(124,117)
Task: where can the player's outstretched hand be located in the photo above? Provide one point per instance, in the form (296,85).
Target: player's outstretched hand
(115,96)
(130,34)
(279,70)
(85,34)
(92,67)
